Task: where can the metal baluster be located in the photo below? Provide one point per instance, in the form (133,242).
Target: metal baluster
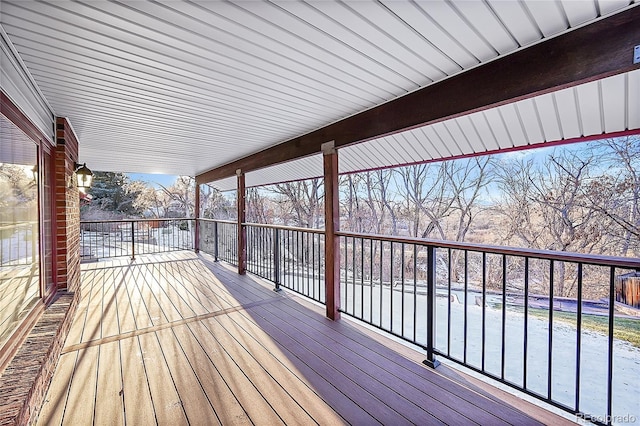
(504,316)
(391,290)
(484,310)
(402,288)
(612,301)
(353,276)
(578,338)
(550,355)
(449,267)
(466,306)
(526,321)
(362,278)
(415,292)
(215,241)
(371,281)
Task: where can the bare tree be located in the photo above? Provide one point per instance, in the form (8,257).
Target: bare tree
(258,207)
(466,180)
(616,193)
(216,204)
(182,195)
(303,200)
(546,207)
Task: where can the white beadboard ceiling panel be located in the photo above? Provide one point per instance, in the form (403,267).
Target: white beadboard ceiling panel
(633,106)
(182,87)
(594,108)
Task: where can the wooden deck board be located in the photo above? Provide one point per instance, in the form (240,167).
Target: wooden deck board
(307,378)
(253,402)
(399,380)
(227,407)
(109,407)
(167,404)
(408,398)
(138,404)
(197,406)
(54,404)
(179,339)
(82,392)
(256,366)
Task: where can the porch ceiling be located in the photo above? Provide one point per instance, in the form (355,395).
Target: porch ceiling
(181,88)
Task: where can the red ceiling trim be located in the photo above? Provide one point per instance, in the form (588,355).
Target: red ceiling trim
(510,149)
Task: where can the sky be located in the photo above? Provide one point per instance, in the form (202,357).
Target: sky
(154,179)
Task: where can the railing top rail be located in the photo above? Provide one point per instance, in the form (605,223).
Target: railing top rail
(286,228)
(266,225)
(594,259)
(233,222)
(164,219)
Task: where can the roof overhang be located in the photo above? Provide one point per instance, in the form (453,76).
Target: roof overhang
(583,59)
(205,88)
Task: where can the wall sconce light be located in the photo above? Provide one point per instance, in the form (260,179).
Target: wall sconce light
(34,173)
(84,176)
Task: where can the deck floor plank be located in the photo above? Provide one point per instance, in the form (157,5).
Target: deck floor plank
(109,408)
(468,402)
(126,320)
(109,321)
(226,405)
(256,366)
(369,393)
(197,407)
(179,339)
(138,404)
(397,376)
(81,399)
(307,385)
(89,281)
(167,404)
(253,402)
(53,408)
(177,295)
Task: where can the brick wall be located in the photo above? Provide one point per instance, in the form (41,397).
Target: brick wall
(67,207)
(24,383)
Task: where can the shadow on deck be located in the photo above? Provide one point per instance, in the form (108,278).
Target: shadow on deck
(178,339)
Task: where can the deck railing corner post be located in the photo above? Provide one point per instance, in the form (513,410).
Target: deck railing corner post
(431,360)
(196,237)
(276,259)
(133,240)
(215,241)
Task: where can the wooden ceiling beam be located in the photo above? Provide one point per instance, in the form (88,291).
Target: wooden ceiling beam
(598,50)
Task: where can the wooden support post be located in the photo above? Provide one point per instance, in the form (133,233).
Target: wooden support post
(242,231)
(331,226)
(196,213)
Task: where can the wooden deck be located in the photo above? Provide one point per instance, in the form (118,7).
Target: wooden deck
(177,339)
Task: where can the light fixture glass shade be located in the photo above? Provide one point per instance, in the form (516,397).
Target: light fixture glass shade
(85,176)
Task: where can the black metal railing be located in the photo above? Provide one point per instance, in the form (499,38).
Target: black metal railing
(289,257)
(546,323)
(518,316)
(219,238)
(18,243)
(131,237)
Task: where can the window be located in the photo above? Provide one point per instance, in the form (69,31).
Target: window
(19,227)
